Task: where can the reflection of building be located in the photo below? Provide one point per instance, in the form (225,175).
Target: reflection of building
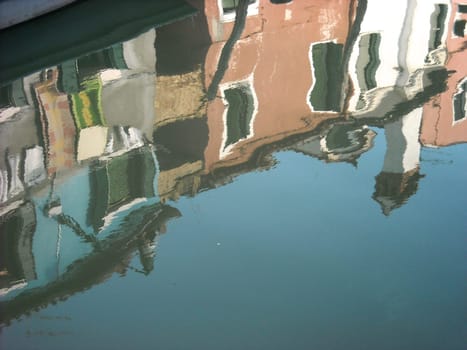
(101,104)
(98,107)
(72,251)
(21,168)
(181,132)
(263,98)
(395,72)
(21,154)
(394,58)
(57,124)
(444,116)
(268,91)
(128,94)
(283,89)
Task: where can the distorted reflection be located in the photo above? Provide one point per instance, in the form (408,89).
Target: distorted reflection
(92,148)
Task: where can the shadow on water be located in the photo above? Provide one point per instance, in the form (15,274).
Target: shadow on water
(137,233)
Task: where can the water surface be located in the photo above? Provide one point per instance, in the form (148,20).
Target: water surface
(190,181)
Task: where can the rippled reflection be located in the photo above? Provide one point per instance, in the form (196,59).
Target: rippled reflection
(98,136)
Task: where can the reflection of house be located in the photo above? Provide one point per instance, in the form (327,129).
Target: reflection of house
(399,177)
(265,93)
(396,71)
(57,124)
(100,104)
(263,97)
(69,248)
(128,94)
(109,191)
(181,133)
(444,116)
(394,58)
(16,257)
(21,156)
(110,90)
(22,164)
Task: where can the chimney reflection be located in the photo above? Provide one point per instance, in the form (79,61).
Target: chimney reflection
(399,177)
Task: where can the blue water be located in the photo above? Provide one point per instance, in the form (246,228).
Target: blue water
(298,257)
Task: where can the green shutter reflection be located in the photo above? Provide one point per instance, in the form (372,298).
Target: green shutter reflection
(119,181)
(327,64)
(373,60)
(239,114)
(459,102)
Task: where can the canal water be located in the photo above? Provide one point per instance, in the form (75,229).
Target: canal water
(235,175)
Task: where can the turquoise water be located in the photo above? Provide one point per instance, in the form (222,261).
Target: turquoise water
(136,212)
(298,256)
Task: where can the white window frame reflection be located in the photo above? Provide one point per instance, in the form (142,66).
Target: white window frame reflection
(461,88)
(226,149)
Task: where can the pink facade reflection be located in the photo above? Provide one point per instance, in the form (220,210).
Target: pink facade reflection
(444,116)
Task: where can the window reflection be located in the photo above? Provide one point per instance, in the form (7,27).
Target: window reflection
(327,62)
(240,111)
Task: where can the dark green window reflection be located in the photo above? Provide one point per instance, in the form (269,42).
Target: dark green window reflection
(368,61)
(120,181)
(239,113)
(327,64)
(438,19)
(13,94)
(16,234)
(367,64)
(459,102)
(459,27)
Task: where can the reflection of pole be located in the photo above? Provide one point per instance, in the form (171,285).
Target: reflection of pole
(68,221)
(53,209)
(240,20)
(354,31)
(57,252)
(404,43)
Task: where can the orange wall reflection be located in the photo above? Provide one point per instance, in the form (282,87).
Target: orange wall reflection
(444,120)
